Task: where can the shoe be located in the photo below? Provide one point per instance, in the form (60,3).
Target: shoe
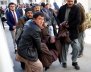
(15,51)
(64,65)
(76,66)
(46,68)
(15,48)
(80,55)
(59,60)
(22,65)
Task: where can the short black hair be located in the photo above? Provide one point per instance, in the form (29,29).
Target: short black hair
(43,4)
(46,4)
(11,3)
(35,5)
(28,9)
(75,1)
(36,14)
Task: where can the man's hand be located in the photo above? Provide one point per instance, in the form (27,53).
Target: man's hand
(14,27)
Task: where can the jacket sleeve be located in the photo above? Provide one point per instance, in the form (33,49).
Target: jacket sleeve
(8,20)
(37,41)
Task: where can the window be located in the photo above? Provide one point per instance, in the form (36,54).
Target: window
(2,2)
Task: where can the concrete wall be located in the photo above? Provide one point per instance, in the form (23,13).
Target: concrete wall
(89,3)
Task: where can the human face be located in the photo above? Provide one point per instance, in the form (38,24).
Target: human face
(37,8)
(48,6)
(39,21)
(70,3)
(12,7)
(29,14)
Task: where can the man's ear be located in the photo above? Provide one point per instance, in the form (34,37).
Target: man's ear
(34,19)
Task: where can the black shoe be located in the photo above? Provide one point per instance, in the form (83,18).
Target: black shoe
(76,65)
(15,51)
(46,68)
(59,60)
(64,65)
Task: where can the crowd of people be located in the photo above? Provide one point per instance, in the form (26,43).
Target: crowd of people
(41,35)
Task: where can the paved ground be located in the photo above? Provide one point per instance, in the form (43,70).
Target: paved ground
(84,62)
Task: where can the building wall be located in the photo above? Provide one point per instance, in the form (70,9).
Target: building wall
(85,3)
(15,1)
(89,5)
(3,2)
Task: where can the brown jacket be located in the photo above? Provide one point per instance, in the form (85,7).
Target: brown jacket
(82,12)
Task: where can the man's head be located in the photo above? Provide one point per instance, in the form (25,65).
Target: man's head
(39,19)
(70,3)
(29,13)
(36,8)
(47,6)
(12,6)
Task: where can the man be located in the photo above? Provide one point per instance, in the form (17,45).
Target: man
(28,15)
(49,22)
(81,28)
(12,17)
(29,47)
(36,8)
(20,9)
(19,28)
(70,13)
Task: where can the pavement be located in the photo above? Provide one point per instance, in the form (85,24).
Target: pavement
(84,62)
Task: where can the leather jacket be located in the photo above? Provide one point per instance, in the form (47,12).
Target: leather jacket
(30,43)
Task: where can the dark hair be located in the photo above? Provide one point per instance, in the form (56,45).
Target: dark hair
(28,9)
(11,3)
(46,4)
(43,4)
(35,6)
(38,14)
(75,1)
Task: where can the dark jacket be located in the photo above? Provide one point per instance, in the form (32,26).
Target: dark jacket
(10,19)
(20,11)
(30,43)
(74,19)
(22,20)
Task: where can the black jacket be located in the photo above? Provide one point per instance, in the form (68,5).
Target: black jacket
(30,43)
(74,19)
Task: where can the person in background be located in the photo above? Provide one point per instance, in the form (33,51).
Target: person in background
(36,8)
(29,47)
(12,16)
(1,12)
(19,28)
(48,21)
(20,9)
(56,7)
(81,28)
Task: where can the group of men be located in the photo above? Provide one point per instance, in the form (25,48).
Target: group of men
(28,44)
